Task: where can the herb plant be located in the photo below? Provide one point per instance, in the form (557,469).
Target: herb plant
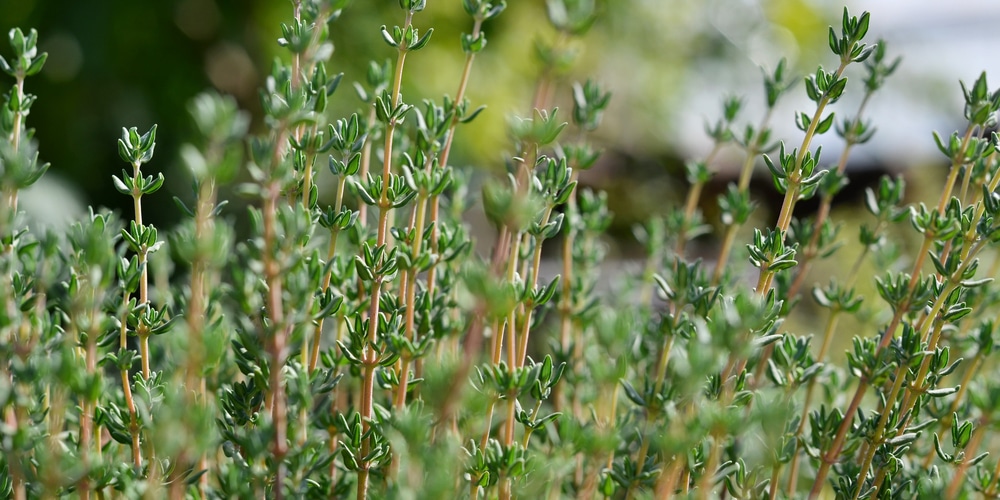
(366,349)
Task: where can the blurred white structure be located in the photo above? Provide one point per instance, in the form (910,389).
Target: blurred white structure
(940,42)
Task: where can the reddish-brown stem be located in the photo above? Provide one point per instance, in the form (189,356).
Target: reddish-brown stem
(198,309)
(327,277)
(277,344)
(446,152)
(369,356)
(127,389)
(838,442)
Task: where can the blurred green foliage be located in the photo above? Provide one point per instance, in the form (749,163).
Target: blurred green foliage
(116,63)
(123,63)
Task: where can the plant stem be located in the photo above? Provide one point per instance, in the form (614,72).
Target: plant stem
(652,264)
(792,193)
(409,293)
(824,208)
(566,300)
(277,344)
(900,377)
(705,481)
(691,202)
(133,426)
(877,436)
(369,356)
(536,263)
(831,326)
(366,159)
(198,307)
(90,439)
(653,413)
(327,277)
(831,455)
(991,489)
(144,273)
(8,215)
(909,399)
(463,84)
(746,173)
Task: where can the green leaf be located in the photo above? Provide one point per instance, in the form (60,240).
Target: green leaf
(834,41)
(862,26)
(36,64)
(837,89)
(823,126)
(388,38)
(422,41)
(632,394)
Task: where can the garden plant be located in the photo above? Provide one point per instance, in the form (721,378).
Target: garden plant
(358,343)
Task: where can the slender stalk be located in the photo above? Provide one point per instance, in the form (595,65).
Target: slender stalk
(877,436)
(143,255)
(536,263)
(338,401)
(935,309)
(327,277)
(133,426)
(143,330)
(668,480)
(653,413)
(89,445)
(652,264)
(901,375)
(463,84)
(198,309)
(8,215)
(474,334)
(705,480)
(824,208)
(909,399)
(363,169)
(838,442)
(746,173)
(10,192)
(369,356)
(278,337)
(497,353)
(512,342)
(370,362)
(566,300)
(17,477)
(831,326)
(991,489)
(409,293)
(692,200)
(794,180)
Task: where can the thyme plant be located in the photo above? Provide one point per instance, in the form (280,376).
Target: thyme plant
(355,343)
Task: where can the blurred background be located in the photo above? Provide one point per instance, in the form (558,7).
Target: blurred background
(668,63)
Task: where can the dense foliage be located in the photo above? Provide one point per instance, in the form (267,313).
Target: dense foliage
(366,349)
